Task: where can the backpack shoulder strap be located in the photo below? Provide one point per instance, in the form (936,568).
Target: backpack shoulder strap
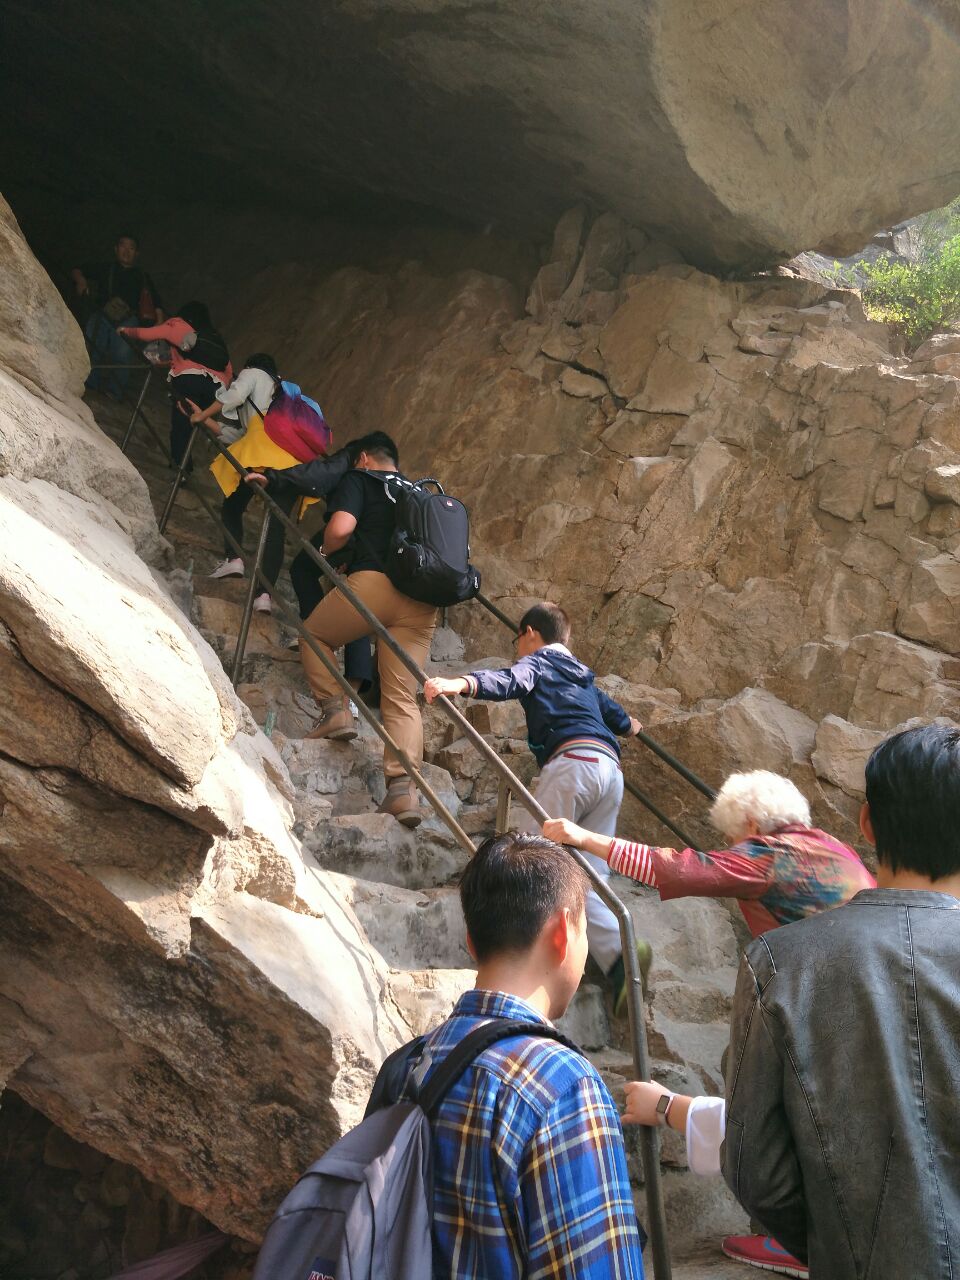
(472,1046)
(390,1084)
(386,478)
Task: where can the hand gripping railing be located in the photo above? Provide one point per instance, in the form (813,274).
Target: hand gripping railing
(651,743)
(649,1138)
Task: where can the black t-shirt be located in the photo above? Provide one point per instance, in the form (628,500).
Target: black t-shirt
(366,499)
(112,280)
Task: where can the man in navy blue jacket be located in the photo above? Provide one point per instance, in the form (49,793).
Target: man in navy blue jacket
(572,729)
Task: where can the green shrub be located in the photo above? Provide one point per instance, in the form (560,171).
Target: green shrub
(921,298)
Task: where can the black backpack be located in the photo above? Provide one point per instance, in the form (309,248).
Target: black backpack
(429,557)
(206,347)
(363,1211)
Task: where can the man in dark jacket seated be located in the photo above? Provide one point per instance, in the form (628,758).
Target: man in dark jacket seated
(842,1134)
(117,293)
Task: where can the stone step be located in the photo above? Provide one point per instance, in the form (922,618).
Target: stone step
(374,846)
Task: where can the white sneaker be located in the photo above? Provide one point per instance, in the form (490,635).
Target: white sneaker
(229,569)
(263,603)
(354,710)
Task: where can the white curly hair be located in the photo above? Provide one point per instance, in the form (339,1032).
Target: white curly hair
(761,797)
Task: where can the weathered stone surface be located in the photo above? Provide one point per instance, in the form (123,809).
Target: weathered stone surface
(942,484)
(930,611)
(941,344)
(699,159)
(841,753)
(171,969)
(576,383)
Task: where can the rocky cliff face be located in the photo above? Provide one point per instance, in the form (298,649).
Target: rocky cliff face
(750,507)
(732,486)
(165,950)
(740,138)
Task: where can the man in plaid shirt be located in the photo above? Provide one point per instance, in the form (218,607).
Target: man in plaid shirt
(530,1176)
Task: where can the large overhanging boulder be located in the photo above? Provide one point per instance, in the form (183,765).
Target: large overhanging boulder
(741,133)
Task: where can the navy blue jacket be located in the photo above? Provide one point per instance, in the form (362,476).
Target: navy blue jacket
(559,699)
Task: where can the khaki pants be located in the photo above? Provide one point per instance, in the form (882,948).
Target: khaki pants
(335,622)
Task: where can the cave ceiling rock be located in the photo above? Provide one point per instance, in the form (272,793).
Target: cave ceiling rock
(739,134)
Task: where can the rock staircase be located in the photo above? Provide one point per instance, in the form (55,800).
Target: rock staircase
(401,883)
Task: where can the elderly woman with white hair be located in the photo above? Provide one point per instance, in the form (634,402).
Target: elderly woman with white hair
(781,869)
(778,866)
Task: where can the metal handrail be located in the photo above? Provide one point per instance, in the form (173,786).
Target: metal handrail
(649,1138)
(138,407)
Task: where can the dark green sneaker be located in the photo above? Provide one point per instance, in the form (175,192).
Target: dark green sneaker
(617,979)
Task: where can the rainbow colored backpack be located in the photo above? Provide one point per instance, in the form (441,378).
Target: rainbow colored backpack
(296,423)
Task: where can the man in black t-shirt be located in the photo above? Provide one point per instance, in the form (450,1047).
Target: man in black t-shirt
(360,516)
(120,293)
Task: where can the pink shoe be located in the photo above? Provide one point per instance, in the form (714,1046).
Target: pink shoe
(764,1253)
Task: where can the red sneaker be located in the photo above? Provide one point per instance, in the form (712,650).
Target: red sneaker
(764,1252)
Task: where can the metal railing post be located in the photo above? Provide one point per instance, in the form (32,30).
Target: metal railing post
(178,480)
(676,765)
(248,602)
(502,822)
(497,613)
(136,412)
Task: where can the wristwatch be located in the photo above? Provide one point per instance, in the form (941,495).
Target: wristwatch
(664,1103)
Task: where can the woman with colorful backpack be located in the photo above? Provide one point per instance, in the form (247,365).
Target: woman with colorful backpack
(280,427)
(199,366)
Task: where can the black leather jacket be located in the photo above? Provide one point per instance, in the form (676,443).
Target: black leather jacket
(843,1123)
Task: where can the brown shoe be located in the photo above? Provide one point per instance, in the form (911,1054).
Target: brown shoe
(402,801)
(335,722)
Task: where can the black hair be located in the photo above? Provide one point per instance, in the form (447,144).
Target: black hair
(260,360)
(377,443)
(549,619)
(512,886)
(196,315)
(126,235)
(913,791)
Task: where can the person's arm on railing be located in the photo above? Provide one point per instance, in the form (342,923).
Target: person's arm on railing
(316,479)
(617,719)
(446,686)
(202,417)
(701,1120)
(490,686)
(173,331)
(742,872)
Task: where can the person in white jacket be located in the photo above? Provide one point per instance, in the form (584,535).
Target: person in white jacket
(701,1120)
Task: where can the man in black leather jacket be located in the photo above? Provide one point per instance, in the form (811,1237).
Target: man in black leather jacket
(843,1126)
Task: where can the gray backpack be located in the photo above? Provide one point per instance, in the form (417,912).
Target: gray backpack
(363,1211)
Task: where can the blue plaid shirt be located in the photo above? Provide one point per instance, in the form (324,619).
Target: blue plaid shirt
(530,1176)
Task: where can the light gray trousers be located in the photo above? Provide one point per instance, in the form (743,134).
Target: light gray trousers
(586,787)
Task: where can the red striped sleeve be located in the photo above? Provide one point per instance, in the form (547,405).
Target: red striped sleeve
(633,860)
